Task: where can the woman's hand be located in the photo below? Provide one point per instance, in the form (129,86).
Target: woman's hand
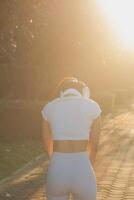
(47,138)
(94,140)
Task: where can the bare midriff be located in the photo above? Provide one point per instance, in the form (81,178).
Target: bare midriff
(70,145)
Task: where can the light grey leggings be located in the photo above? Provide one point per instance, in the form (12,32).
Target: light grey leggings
(70,173)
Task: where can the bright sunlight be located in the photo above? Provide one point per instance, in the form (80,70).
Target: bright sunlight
(120,15)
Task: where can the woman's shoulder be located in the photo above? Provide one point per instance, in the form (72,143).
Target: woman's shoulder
(46,109)
(91,102)
(51,102)
(94,108)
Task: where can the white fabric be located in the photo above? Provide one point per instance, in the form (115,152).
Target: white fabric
(70,91)
(70,173)
(71,117)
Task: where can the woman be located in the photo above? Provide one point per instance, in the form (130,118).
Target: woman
(71,125)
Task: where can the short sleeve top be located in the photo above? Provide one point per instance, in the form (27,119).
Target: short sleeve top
(70,117)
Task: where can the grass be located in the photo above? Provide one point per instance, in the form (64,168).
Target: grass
(13,155)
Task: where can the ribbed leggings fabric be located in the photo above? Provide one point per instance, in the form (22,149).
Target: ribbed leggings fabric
(70,173)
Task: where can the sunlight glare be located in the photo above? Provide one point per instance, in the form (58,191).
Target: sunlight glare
(120,14)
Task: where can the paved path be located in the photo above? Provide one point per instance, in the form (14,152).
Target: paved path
(114,165)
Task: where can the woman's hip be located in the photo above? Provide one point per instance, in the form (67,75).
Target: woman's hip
(70,163)
(70,172)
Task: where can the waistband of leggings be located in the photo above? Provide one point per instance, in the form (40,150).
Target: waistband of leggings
(71,153)
(69,156)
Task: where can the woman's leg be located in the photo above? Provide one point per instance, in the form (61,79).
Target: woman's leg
(57,178)
(84,181)
(70,172)
(49,197)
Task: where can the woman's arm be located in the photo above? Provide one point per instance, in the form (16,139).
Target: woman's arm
(94,139)
(47,138)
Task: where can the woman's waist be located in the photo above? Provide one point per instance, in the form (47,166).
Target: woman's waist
(67,146)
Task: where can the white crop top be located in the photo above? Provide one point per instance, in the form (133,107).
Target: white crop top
(70,117)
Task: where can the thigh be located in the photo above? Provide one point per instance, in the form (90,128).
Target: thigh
(84,184)
(85,191)
(51,197)
(57,180)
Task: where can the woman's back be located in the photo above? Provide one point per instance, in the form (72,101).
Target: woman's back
(70,117)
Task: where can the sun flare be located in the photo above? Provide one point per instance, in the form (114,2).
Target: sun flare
(120,15)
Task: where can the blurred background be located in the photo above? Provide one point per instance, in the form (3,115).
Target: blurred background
(43,41)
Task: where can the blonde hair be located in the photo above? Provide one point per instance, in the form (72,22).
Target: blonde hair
(68,82)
